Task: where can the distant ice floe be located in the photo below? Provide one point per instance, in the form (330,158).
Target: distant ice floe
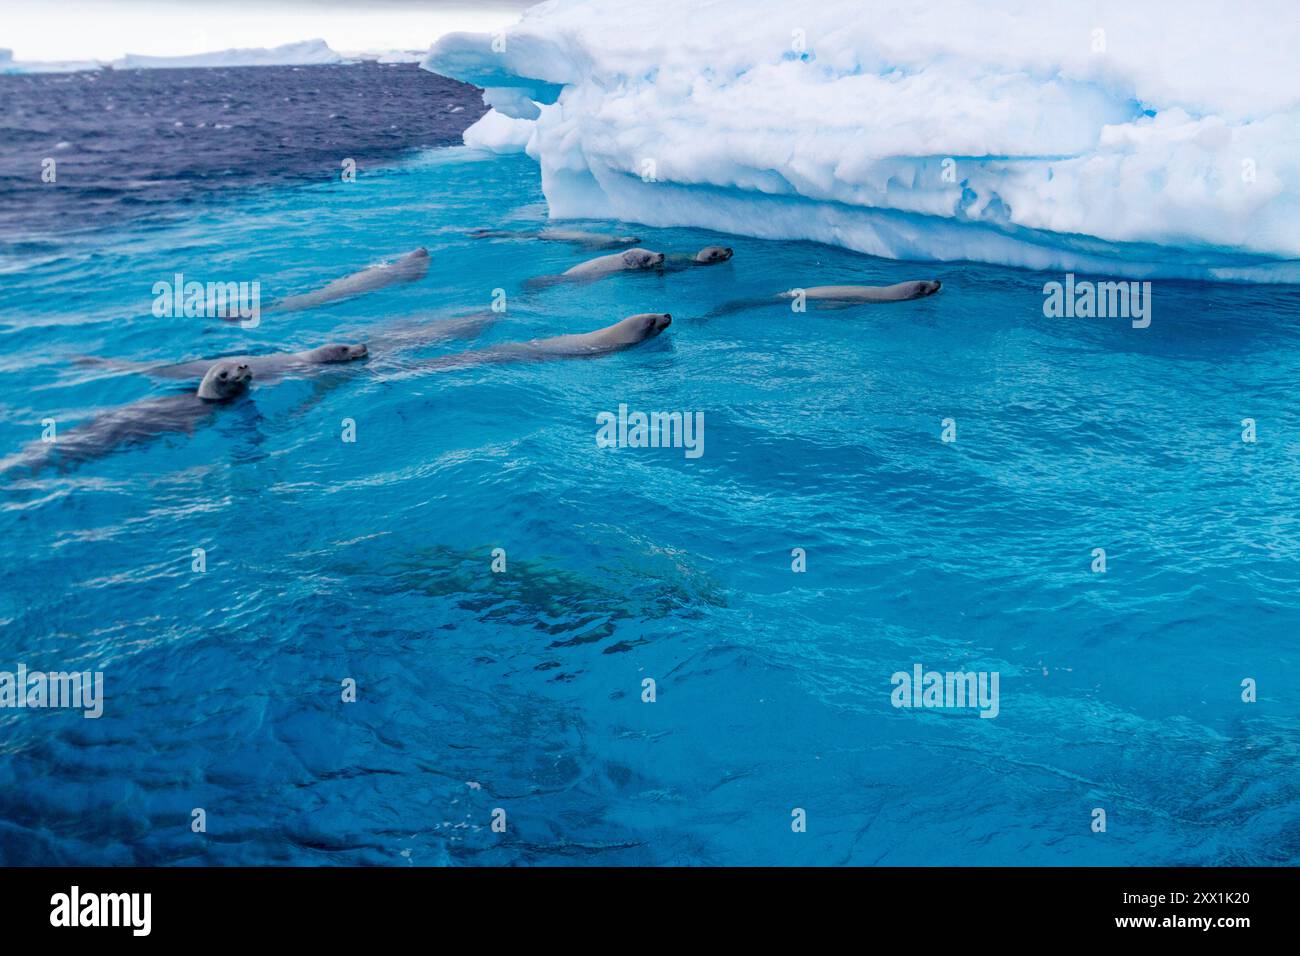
(388,56)
(1156,138)
(305,53)
(10,66)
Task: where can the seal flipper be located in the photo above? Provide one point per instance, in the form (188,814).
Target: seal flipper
(835,305)
(744,305)
(537,283)
(116,365)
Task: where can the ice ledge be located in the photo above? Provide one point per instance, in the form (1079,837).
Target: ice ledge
(1161,143)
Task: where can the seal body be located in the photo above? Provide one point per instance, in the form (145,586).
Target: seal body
(268,368)
(408,268)
(137,423)
(414,333)
(709,255)
(588,240)
(916,289)
(601,266)
(836,296)
(621,335)
(613,338)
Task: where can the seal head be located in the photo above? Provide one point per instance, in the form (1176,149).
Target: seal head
(711,254)
(638,328)
(224,381)
(335,352)
(924,287)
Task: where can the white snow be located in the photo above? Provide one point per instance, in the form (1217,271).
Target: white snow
(499,133)
(1157,137)
(306,53)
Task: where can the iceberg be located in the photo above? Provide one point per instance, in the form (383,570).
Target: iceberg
(306,53)
(1153,139)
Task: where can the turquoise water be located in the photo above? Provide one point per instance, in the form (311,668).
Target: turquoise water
(522,690)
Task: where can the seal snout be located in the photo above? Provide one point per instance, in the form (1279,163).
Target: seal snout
(665,320)
(360,351)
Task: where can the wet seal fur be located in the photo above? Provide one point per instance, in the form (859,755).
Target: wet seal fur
(631,260)
(899,292)
(708,256)
(837,296)
(268,368)
(408,268)
(137,423)
(624,334)
(588,240)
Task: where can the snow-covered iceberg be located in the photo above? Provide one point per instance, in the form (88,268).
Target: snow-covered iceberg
(1155,138)
(306,53)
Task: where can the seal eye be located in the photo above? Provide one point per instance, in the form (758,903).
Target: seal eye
(222,375)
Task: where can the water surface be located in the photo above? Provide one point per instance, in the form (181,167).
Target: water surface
(522,690)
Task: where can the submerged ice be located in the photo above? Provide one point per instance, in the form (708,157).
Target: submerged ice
(1137,139)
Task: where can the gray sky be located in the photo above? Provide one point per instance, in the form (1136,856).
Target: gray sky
(107,29)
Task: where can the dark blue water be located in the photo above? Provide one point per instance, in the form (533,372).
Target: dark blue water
(153,143)
(522,690)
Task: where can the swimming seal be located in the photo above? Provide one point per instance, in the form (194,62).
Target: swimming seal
(838,296)
(613,338)
(138,422)
(709,255)
(899,292)
(268,368)
(601,266)
(588,240)
(409,268)
(632,260)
